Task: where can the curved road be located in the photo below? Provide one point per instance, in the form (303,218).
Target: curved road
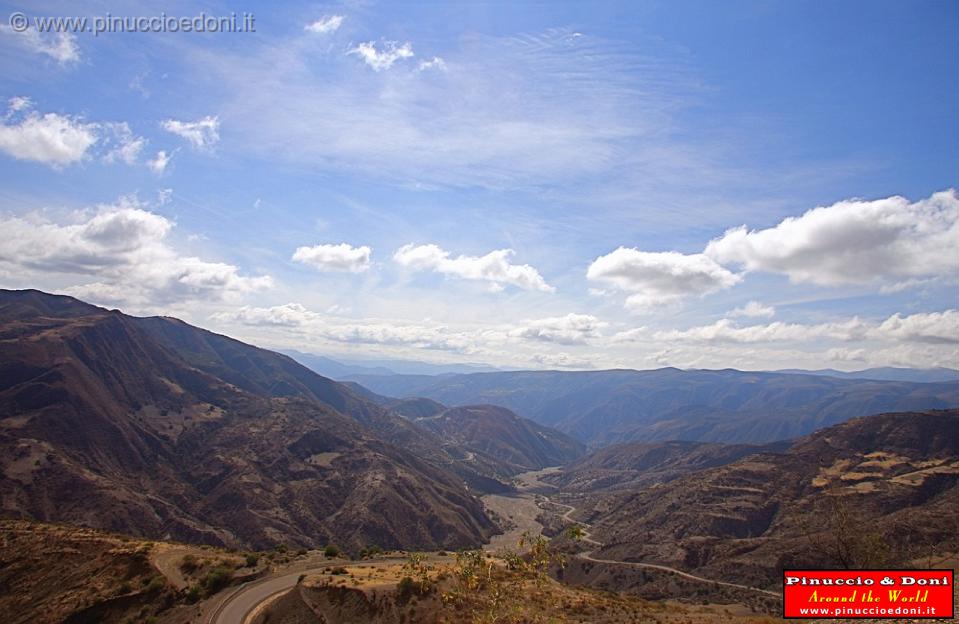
(588,555)
(240,603)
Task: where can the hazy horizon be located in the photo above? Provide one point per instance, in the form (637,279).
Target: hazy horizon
(699,185)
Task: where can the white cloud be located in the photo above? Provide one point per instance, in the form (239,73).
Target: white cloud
(843,354)
(52,139)
(466,127)
(124,246)
(158,163)
(754,309)
(493,268)
(61,47)
(164,196)
(561,360)
(202,134)
(385,58)
(60,140)
(932,327)
(434,63)
(325,24)
(724,330)
(636,334)
(313,325)
(286,315)
(922,327)
(658,278)
(18,103)
(342,257)
(572,329)
(853,242)
(123,145)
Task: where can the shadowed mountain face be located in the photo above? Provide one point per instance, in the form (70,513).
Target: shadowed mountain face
(875,491)
(152,427)
(497,437)
(607,407)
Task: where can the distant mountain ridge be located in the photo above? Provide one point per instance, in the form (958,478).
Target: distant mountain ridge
(888,373)
(730,406)
(341,368)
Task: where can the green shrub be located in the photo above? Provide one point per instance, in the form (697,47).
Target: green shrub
(193,594)
(406,587)
(252,559)
(371,551)
(216,579)
(331,551)
(189,564)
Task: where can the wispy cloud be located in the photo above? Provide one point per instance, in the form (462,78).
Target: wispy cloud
(434,63)
(326,24)
(61,47)
(494,267)
(159,163)
(202,134)
(585,110)
(380,59)
(754,309)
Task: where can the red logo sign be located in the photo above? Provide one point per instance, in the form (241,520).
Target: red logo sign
(868,594)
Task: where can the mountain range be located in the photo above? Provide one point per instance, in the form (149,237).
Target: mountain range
(875,491)
(886,373)
(730,406)
(152,427)
(341,368)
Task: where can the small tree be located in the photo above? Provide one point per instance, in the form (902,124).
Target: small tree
(419,571)
(540,558)
(331,551)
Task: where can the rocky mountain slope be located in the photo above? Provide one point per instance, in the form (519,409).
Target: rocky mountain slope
(156,428)
(497,437)
(874,491)
(611,406)
(53,574)
(636,465)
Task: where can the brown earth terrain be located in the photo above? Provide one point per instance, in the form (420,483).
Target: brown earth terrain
(155,428)
(875,491)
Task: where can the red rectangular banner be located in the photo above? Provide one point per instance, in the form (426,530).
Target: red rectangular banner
(868,594)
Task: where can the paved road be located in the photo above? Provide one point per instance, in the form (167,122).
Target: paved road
(531,479)
(235,608)
(652,566)
(238,605)
(588,555)
(586,536)
(240,602)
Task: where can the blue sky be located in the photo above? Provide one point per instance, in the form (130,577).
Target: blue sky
(696,184)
